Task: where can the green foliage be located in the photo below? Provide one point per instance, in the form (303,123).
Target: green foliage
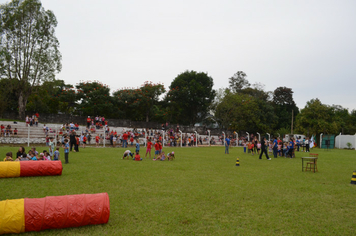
(29,52)
(95,99)
(52,97)
(284,105)
(238,81)
(316,118)
(190,96)
(8,98)
(238,112)
(141,104)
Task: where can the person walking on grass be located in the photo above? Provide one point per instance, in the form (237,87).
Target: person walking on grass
(264,148)
(227,144)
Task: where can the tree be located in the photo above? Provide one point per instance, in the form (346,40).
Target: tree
(29,51)
(95,99)
(238,81)
(238,111)
(150,93)
(140,104)
(8,99)
(189,97)
(52,97)
(316,118)
(284,105)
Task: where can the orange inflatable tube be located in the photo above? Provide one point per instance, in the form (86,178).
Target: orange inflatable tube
(30,168)
(24,215)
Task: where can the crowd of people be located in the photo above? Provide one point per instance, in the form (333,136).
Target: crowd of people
(7,131)
(33,155)
(276,147)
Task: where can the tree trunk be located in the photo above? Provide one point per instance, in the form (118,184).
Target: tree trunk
(22,105)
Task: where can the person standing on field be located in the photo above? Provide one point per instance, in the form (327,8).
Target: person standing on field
(227,144)
(264,149)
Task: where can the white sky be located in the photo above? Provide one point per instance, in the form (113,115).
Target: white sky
(306,45)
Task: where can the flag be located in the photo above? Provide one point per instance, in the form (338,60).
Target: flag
(311,144)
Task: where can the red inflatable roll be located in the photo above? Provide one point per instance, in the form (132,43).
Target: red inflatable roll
(40,168)
(66,211)
(24,215)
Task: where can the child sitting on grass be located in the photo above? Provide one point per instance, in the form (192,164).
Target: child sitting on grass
(160,157)
(137,157)
(8,157)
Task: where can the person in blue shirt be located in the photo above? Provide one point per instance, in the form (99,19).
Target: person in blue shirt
(66,150)
(291,147)
(275,147)
(137,146)
(298,144)
(227,144)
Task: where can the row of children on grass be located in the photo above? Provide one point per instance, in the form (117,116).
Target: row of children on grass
(159,154)
(282,148)
(33,155)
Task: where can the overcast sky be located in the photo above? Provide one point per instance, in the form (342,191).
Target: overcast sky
(306,45)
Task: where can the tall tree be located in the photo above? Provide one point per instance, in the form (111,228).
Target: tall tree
(189,97)
(29,50)
(238,81)
(284,105)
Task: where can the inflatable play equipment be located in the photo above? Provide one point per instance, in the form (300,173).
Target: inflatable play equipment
(24,215)
(29,168)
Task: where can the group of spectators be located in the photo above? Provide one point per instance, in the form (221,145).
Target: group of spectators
(7,131)
(51,155)
(32,120)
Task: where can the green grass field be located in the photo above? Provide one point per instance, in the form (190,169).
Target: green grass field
(202,192)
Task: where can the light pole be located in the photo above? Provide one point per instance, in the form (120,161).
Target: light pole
(279,135)
(269,137)
(248,136)
(196,138)
(209,137)
(259,137)
(163,138)
(224,137)
(321,138)
(181,137)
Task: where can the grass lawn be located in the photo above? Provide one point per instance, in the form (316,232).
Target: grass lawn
(202,192)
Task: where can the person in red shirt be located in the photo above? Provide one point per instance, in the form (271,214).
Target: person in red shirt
(157,149)
(138,157)
(76,145)
(84,141)
(97,138)
(160,147)
(88,121)
(131,141)
(149,147)
(124,140)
